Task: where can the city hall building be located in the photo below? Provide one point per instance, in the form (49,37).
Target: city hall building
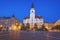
(32,19)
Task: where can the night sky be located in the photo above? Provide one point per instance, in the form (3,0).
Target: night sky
(48,9)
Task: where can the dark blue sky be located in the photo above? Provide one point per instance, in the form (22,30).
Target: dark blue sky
(48,9)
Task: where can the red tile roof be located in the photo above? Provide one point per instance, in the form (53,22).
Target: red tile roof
(35,17)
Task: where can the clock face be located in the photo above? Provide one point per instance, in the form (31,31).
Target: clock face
(32,11)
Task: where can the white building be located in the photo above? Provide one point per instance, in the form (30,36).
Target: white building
(32,19)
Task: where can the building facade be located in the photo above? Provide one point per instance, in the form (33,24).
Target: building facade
(49,26)
(32,19)
(7,22)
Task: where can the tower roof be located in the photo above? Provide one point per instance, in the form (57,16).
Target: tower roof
(32,5)
(13,15)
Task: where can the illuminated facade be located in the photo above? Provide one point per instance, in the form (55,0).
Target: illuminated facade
(57,22)
(49,25)
(7,22)
(32,19)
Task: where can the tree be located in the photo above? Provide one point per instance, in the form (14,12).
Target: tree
(27,27)
(43,28)
(57,27)
(23,27)
(1,28)
(35,27)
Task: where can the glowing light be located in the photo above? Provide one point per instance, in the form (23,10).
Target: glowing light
(9,28)
(15,27)
(1,25)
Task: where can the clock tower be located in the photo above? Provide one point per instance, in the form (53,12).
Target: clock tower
(32,15)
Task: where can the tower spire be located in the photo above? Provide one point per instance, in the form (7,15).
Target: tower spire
(13,15)
(32,5)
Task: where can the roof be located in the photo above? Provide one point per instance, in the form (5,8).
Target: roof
(35,17)
(13,15)
(4,17)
